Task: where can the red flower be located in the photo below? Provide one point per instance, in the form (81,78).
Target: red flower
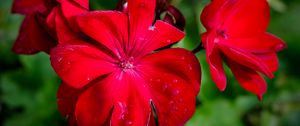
(118,79)
(33,35)
(36,33)
(236,32)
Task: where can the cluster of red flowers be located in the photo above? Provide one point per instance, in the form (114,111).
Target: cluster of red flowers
(118,67)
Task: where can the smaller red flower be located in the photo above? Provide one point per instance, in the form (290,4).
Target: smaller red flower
(236,32)
(33,35)
(37,31)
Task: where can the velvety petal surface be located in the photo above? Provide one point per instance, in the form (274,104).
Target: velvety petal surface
(109,28)
(246,59)
(83,62)
(216,69)
(264,43)
(66,99)
(237,18)
(28,6)
(248,79)
(116,100)
(270,59)
(160,35)
(71,10)
(174,84)
(141,16)
(83,3)
(33,37)
(64,32)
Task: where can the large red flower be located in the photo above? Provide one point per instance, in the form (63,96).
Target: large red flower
(117,78)
(236,32)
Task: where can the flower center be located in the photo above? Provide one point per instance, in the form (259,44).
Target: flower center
(126,64)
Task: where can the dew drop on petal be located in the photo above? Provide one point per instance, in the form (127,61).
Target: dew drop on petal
(169,41)
(59,59)
(180,100)
(129,122)
(67,116)
(151,28)
(175,81)
(190,67)
(171,103)
(216,40)
(176,92)
(165,86)
(123,116)
(141,38)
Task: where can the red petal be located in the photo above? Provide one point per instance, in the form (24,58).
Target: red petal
(114,100)
(248,17)
(83,62)
(248,79)
(94,105)
(33,37)
(237,18)
(66,100)
(270,59)
(264,43)
(173,83)
(245,58)
(209,16)
(216,69)
(141,16)
(109,28)
(83,3)
(50,22)
(214,60)
(70,10)
(64,32)
(160,35)
(28,6)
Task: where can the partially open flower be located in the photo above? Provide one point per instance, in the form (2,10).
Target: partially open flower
(236,33)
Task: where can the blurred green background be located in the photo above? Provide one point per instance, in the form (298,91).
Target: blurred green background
(28,84)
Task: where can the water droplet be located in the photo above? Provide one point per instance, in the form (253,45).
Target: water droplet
(180,100)
(165,86)
(88,78)
(142,39)
(129,122)
(185,109)
(171,102)
(183,58)
(67,116)
(216,40)
(176,92)
(68,62)
(175,81)
(169,41)
(70,49)
(59,59)
(151,28)
(190,67)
